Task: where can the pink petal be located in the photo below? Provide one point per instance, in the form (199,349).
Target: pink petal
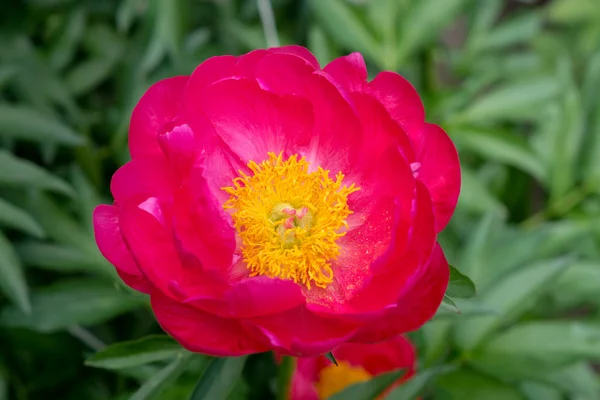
(350,72)
(299,51)
(417,303)
(378,358)
(439,170)
(253,297)
(301,333)
(179,147)
(337,135)
(400,98)
(151,244)
(210,71)
(113,248)
(149,176)
(253,122)
(203,332)
(158,107)
(305,375)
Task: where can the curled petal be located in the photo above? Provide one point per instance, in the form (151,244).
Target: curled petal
(143,177)
(159,106)
(111,245)
(350,72)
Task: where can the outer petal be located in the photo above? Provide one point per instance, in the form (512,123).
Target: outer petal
(439,170)
(143,177)
(253,297)
(111,245)
(253,122)
(400,99)
(299,332)
(350,72)
(205,333)
(417,303)
(158,107)
(299,51)
(212,70)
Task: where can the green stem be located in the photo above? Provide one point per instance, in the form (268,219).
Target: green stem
(284,377)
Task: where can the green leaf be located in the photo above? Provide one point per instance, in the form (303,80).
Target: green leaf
(12,216)
(84,302)
(538,347)
(516,30)
(136,352)
(466,384)
(578,285)
(21,173)
(514,100)
(345,27)
(331,358)
(61,258)
(502,146)
(423,23)
(166,376)
(510,296)
(319,45)
(448,304)
(90,73)
(370,389)
(217,381)
(460,285)
(59,225)
(12,279)
(573,11)
(25,123)
(412,388)
(539,391)
(475,196)
(3,387)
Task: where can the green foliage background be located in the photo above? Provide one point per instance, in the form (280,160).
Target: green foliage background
(514,83)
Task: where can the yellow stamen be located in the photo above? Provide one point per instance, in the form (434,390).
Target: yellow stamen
(333,379)
(289,219)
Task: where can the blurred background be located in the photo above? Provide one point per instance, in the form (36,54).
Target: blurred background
(514,83)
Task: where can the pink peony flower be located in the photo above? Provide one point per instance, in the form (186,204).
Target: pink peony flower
(316,378)
(273,205)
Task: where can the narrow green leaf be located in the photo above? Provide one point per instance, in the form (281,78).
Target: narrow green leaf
(22,173)
(159,382)
(14,217)
(368,390)
(511,296)
(319,45)
(411,389)
(83,302)
(217,381)
(90,73)
(63,50)
(514,100)
(343,25)
(25,123)
(331,358)
(539,391)
(61,258)
(423,22)
(504,147)
(136,352)
(538,347)
(467,384)
(475,196)
(460,285)
(516,30)
(12,279)
(463,308)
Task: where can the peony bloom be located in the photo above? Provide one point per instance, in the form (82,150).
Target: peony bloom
(272,205)
(315,378)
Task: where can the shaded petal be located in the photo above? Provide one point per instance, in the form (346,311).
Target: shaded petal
(212,70)
(349,71)
(439,170)
(418,302)
(179,147)
(158,107)
(113,248)
(203,332)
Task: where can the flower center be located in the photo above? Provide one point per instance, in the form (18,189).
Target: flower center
(333,379)
(289,219)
